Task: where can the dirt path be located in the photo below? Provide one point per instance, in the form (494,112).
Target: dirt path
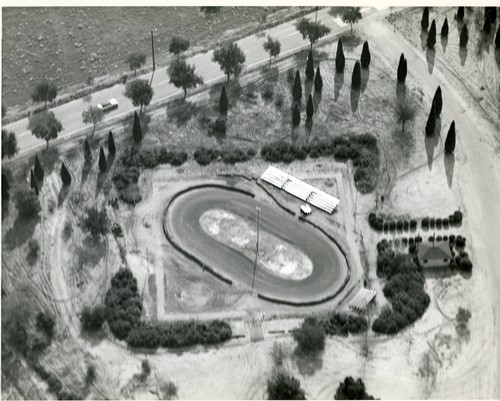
(477,184)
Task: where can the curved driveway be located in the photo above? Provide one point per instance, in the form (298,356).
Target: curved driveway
(329,265)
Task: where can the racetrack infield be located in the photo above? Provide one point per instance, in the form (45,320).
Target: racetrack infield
(330,269)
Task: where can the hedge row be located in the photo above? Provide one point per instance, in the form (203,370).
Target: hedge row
(451,220)
(342,324)
(404,289)
(362,149)
(124,310)
(127,169)
(205,156)
(179,334)
(378,223)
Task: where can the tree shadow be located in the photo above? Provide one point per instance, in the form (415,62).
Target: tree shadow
(308,88)
(308,128)
(63,193)
(101,177)
(85,172)
(430,55)
(355,93)
(365,76)
(295,133)
(400,92)
(423,39)
(463,55)
(182,113)
(497,58)
(22,230)
(110,161)
(87,99)
(449,166)
(437,131)
(337,85)
(429,149)
(444,43)
(460,25)
(308,364)
(5,207)
(317,98)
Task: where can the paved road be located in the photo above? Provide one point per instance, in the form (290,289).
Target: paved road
(70,113)
(329,265)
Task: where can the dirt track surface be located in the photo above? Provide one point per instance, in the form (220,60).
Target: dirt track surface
(330,267)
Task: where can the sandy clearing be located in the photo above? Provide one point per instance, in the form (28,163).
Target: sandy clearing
(480,201)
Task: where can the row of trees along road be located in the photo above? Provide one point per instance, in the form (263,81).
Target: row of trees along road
(182,75)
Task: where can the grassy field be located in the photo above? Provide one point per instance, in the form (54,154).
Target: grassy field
(69,45)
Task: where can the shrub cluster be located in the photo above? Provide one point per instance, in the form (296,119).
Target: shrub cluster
(404,289)
(451,220)
(362,149)
(123,304)
(230,155)
(127,169)
(310,336)
(92,319)
(378,223)
(179,334)
(342,324)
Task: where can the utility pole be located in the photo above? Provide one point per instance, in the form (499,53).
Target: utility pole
(153,50)
(257,249)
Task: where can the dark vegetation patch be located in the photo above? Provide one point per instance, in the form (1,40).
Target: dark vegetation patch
(404,289)
(342,324)
(361,149)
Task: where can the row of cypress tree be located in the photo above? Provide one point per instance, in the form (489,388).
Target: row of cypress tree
(430,127)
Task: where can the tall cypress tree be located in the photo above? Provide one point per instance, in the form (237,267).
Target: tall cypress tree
(497,38)
(137,132)
(425,19)
(310,107)
(402,68)
(5,187)
(310,66)
(33,183)
(460,13)
(438,101)
(356,76)
(449,144)
(65,175)
(318,81)
(103,164)
(431,37)
(223,103)
(296,116)
(297,87)
(340,59)
(38,170)
(87,151)
(365,55)
(111,144)
(464,36)
(487,24)
(491,12)
(445,28)
(430,127)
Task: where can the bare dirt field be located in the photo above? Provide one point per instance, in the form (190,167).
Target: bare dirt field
(429,359)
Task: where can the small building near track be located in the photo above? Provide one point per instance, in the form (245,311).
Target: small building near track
(434,254)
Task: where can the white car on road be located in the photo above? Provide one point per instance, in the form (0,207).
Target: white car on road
(112,104)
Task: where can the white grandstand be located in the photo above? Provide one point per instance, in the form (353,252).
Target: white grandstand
(300,189)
